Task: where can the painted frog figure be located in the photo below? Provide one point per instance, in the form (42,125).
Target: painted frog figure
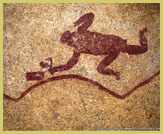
(85,41)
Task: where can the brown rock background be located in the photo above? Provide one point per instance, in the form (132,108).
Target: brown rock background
(32,33)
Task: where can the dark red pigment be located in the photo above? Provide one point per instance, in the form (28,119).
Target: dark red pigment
(46,64)
(34,76)
(71,76)
(93,43)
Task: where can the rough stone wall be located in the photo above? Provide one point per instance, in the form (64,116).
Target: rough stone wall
(32,33)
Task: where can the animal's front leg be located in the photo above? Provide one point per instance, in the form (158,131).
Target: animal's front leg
(101,68)
(73,60)
(86,19)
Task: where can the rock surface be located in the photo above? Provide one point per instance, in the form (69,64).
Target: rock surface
(32,33)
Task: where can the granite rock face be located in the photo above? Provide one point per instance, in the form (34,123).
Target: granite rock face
(32,34)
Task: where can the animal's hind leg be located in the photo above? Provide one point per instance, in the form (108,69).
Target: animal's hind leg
(107,61)
(133,49)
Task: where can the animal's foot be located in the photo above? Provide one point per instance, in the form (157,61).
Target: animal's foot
(143,31)
(46,64)
(117,74)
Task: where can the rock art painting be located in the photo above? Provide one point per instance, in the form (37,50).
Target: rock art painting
(65,61)
(84,41)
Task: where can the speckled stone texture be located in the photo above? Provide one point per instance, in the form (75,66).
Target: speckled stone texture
(32,33)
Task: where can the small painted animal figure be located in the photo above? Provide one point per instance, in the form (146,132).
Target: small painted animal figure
(85,41)
(93,43)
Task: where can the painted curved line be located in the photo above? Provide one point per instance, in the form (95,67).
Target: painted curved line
(72,76)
